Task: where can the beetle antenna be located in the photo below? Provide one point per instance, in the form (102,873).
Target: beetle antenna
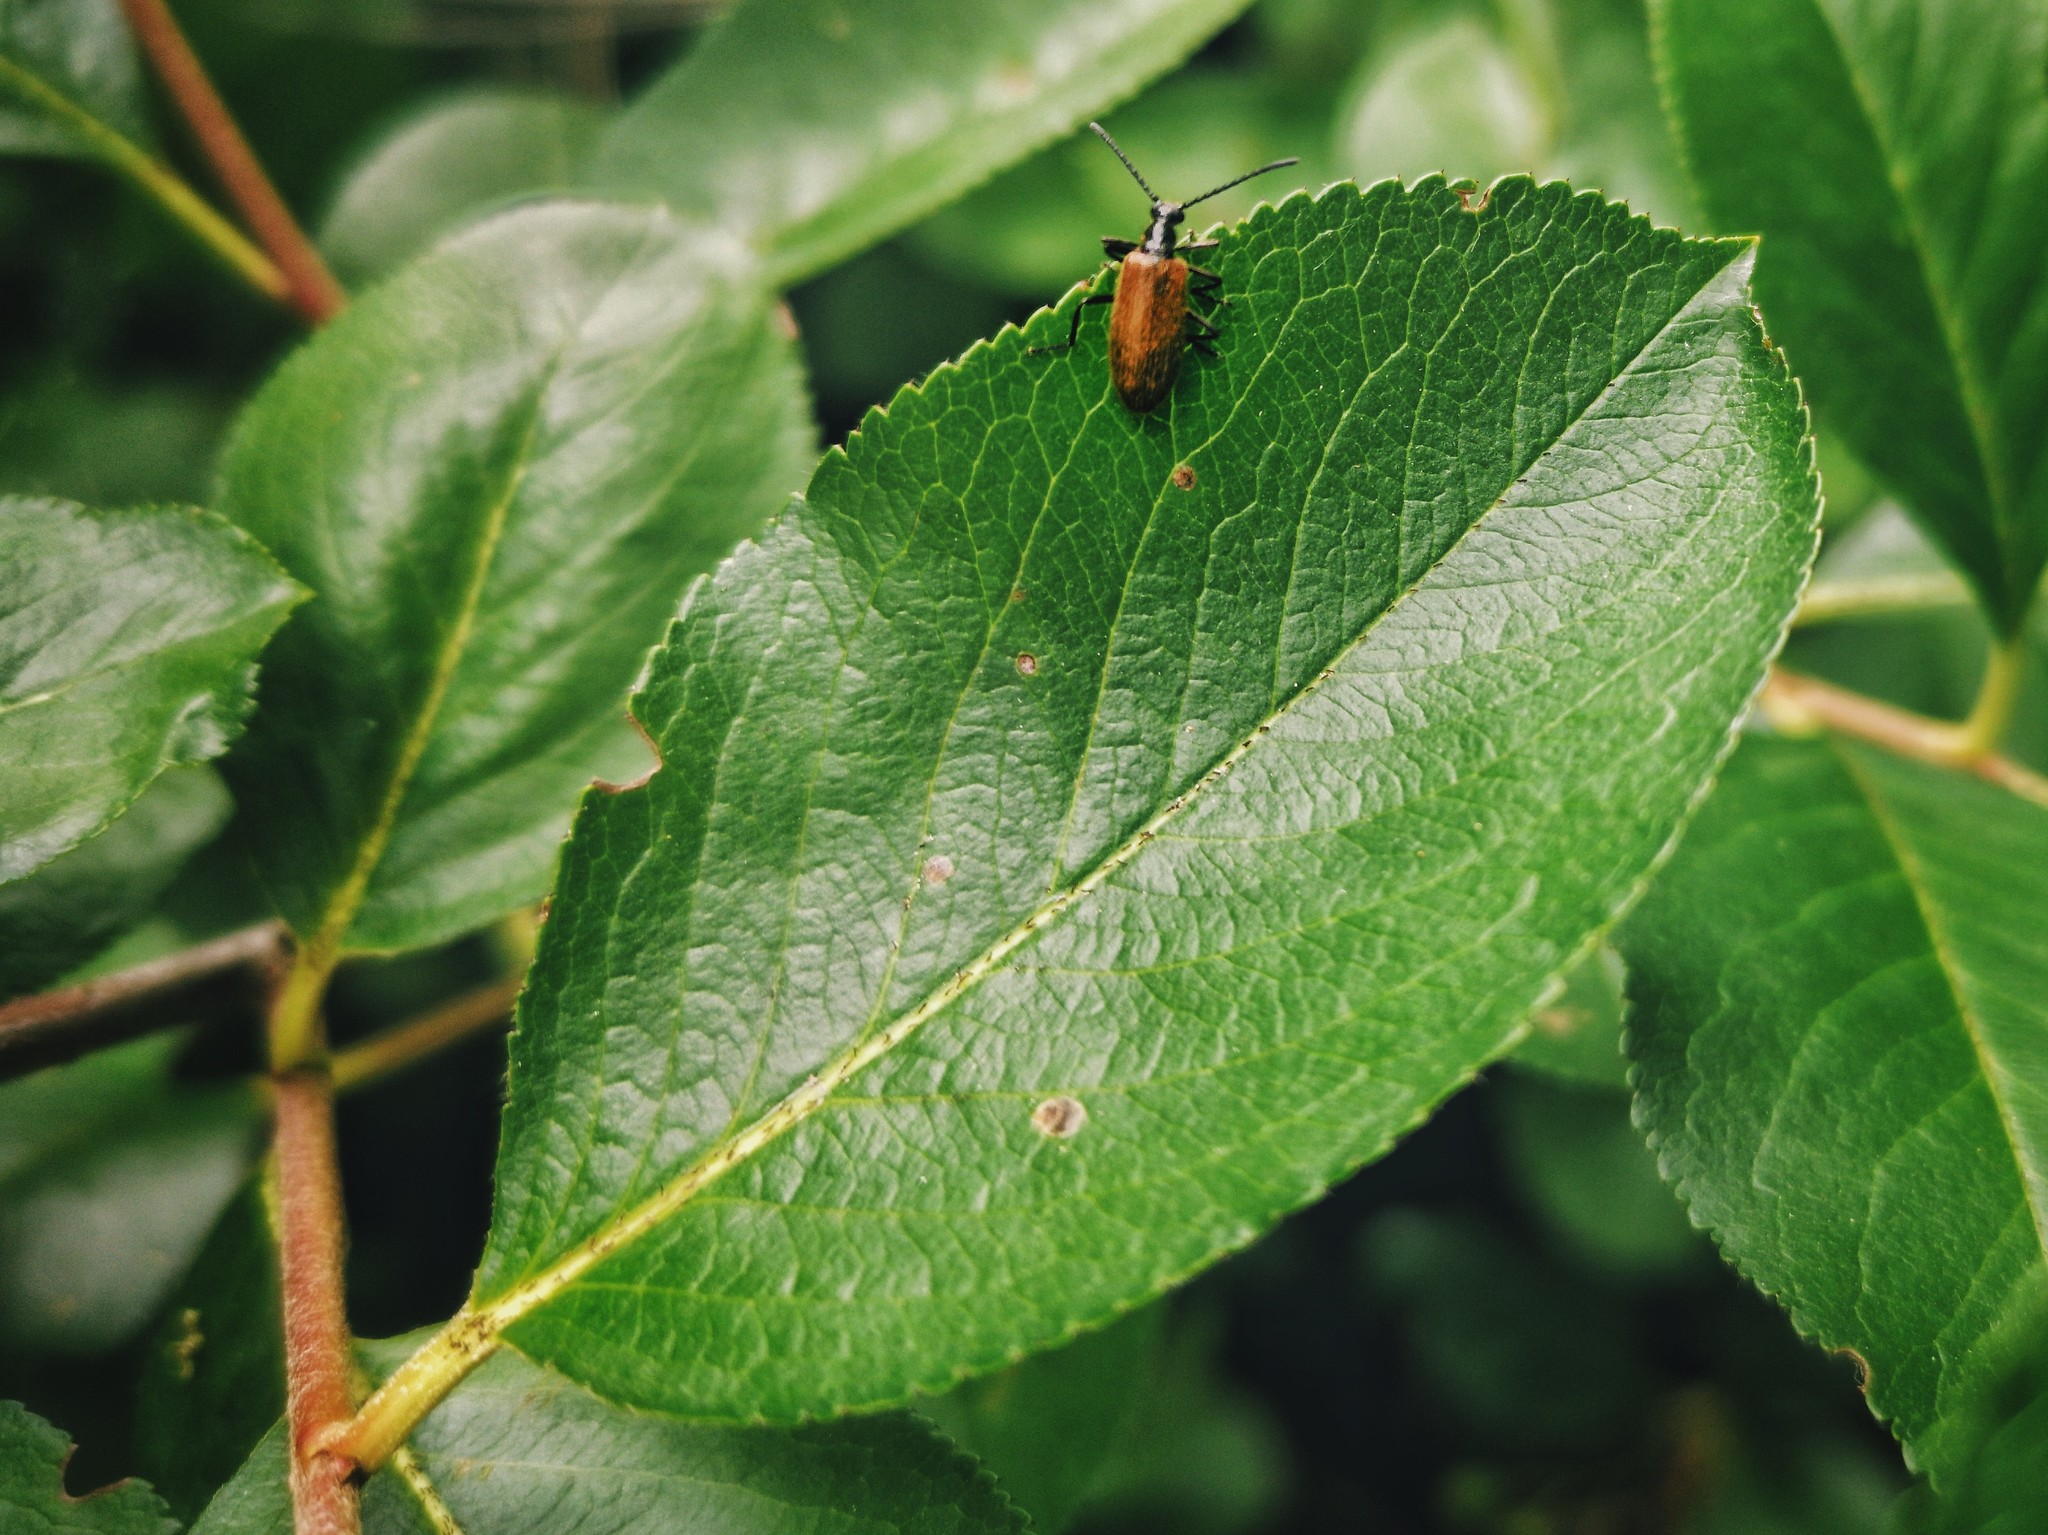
(1103,134)
(1234,181)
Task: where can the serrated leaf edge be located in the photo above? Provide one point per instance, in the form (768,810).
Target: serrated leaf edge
(475,1332)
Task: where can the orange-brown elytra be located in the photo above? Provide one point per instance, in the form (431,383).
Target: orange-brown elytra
(1152,321)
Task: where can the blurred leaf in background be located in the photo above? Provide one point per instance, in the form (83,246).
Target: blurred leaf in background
(447,163)
(110,1178)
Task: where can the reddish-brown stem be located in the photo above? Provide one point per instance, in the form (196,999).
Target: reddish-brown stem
(311,288)
(316,1344)
(201,982)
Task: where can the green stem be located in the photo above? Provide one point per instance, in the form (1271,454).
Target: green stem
(1991,715)
(1801,705)
(155,180)
(397,1048)
(1830,601)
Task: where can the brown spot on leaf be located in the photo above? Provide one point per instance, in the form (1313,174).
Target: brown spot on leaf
(1017,594)
(1860,1365)
(1059,1117)
(1027,663)
(1183,477)
(1474,198)
(1558,1022)
(606,786)
(938,869)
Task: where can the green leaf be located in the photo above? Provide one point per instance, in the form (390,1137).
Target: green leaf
(443,165)
(127,643)
(68,910)
(1613,134)
(498,472)
(1047,1426)
(1201,1454)
(2003,1435)
(32,1495)
(515,1440)
(817,127)
(1238,776)
(61,60)
(213,1373)
(1838,995)
(1894,154)
(110,1177)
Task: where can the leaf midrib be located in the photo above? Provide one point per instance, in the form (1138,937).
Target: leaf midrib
(347,899)
(1992,1071)
(536,1290)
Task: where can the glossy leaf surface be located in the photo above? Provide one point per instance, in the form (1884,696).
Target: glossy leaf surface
(1082,837)
(127,646)
(518,1449)
(1839,1000)
(33,1498)
(497,472)
(816,127)
(60,57)
(64,913)
(1894,155)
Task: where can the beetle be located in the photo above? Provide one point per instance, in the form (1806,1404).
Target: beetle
(1152,321)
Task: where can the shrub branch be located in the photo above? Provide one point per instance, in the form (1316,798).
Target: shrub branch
(309,287)
(316,1342)
(215,977)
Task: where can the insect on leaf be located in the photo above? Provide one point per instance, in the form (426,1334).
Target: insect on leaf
(1083,837)
(817,127)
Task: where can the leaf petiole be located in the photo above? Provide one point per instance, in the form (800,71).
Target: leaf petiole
(154,180)
(1829,602)
(1800,705)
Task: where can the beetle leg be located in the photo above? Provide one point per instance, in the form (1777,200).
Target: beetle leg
(1201,344)
(1207,329)
(1197,245)
(1118,249)
(1074,330)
